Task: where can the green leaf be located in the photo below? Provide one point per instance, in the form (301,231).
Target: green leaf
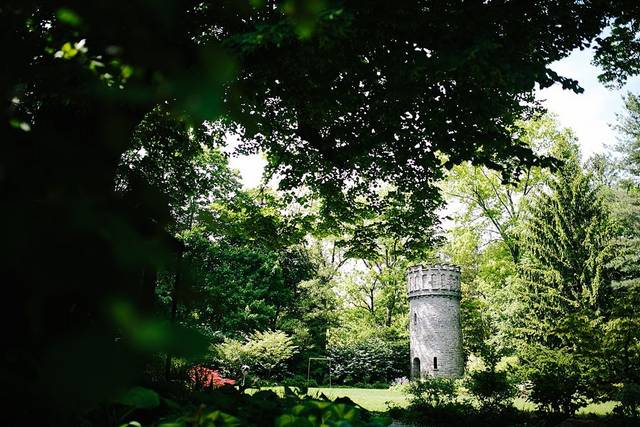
(140,398)
(69,17)
(222,419)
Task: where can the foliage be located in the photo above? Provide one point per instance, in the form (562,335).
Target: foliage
(330,104)
(140,398)
(400,383)
(494,388)
(497,208)
(623,198)
(265,353)
(629,397)
(179,163)
(617,49)
(259,286)
(433,392)
(628,126)
(378,288)
(370,361)
(556,380)
(486,238)
(203,378)
(566,284)
(568,236)
(317,413)
(228,407)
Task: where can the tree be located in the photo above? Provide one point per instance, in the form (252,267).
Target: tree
(497,207)
(486,237)
(617,51)
(629,128)
(489,302)
(377,284)
(181,163)
(566,284)
(623,199)
(245,265)
(390,102)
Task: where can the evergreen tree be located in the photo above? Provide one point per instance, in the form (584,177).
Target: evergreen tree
(622,345)
(625,196)
(629,127)
(565,286)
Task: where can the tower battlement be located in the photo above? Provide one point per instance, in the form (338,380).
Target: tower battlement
(433,280)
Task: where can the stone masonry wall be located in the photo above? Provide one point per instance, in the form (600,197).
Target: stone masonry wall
(435,329)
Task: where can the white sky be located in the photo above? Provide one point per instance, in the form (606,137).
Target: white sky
(589,114)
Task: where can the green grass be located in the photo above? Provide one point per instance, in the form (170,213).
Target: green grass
(378,400)
(368,398)
(597,408)
(593,408)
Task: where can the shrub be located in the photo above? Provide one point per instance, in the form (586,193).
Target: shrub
(432,392)
(299,381)
(493,389)
(368,362)
(266,354)
(400,383)
(203,378)
(433,402)
(629,400)
(270,351)
(555,382)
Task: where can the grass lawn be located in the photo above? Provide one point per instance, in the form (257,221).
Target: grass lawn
(369,398)
(378,399)
(594,408)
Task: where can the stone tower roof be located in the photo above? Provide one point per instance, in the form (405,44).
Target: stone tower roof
(433,280)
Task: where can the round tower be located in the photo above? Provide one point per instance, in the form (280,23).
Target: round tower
(435,330)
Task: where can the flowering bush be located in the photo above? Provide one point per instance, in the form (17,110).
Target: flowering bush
(266,353)
(400,383)
(204,378)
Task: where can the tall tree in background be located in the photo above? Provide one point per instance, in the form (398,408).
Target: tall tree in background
(498,208)
(623,197)
(628,127)
(377,284)
(486,238)
(566,285)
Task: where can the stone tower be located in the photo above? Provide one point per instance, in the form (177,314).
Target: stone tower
(435,329)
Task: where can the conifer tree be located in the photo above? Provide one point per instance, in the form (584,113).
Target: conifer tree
(565,286)
(622,337)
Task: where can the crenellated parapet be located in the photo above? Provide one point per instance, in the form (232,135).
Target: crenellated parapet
(433,280)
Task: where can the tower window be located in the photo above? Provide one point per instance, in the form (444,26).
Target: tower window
(415,318)
(435,363)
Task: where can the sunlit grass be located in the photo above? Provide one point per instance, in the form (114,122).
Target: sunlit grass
(371,399)
(378,400)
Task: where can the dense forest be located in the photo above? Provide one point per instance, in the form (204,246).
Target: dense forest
(146,286)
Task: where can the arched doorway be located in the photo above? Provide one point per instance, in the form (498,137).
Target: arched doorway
(415,368)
